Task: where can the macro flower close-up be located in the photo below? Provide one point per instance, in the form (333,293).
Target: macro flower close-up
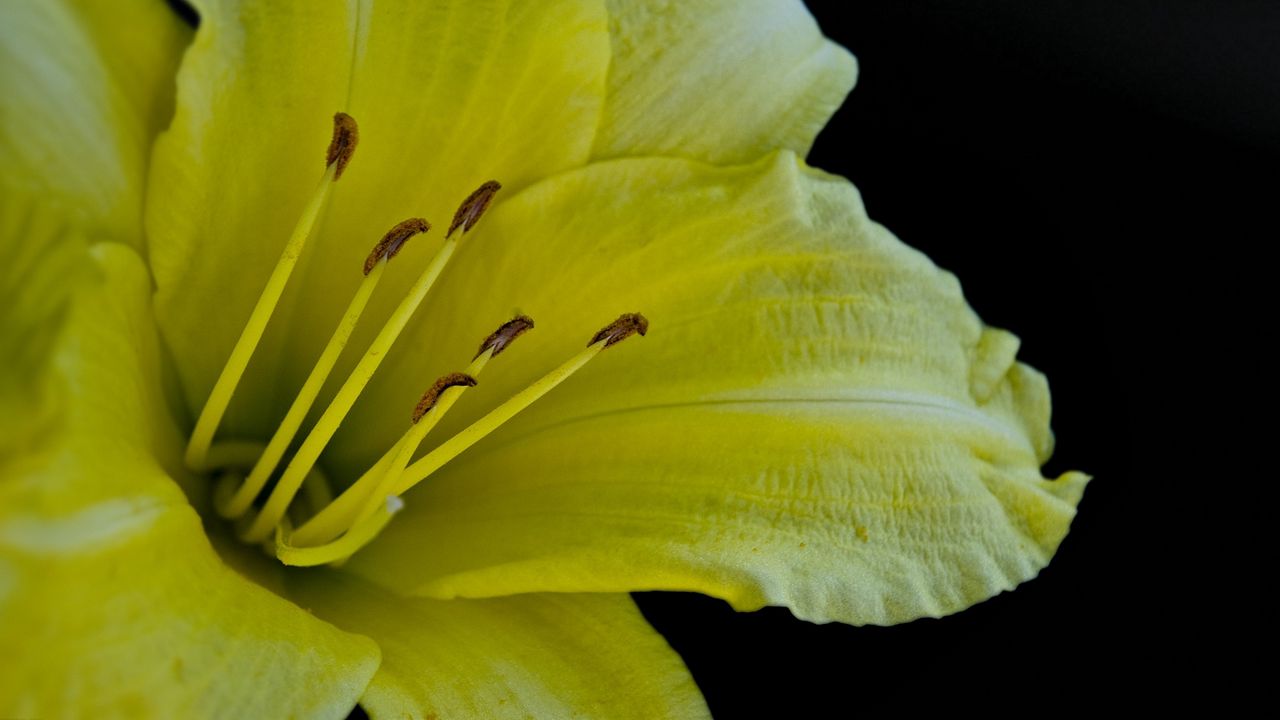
(372,353)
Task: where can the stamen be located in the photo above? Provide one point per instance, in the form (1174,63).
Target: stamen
(432,394)
(619,330)
(330,521)
(237,504)
(360,534)
(225,386)
(233,453)
(505,335)
(341,404)
(473,207)
(390,244)
(317,490)
(346,134)
(315,487)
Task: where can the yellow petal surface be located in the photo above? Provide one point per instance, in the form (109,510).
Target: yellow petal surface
(718,80)
(42,263)
(816,418)
(112,602)
(447,96)
(542,655)
(87,85)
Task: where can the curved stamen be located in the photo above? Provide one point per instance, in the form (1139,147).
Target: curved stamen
(344,140)
(238,503)
(615,332)
(341,404)
(331,521)
(344,547)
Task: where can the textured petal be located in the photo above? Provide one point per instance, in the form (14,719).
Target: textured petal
(42,263)
(816,418)
(87,85)
(542,656)
(718,80)
(447,94)
(112,602)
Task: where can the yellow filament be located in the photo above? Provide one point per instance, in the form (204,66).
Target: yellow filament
(341,404)
(362,498)
(233,454)
(315,487)
(225,386)
(457,444)
(267,461)
(344,547)
(316,490)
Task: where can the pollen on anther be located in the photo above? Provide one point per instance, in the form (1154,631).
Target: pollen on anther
(394,240)
(624,327)
(505,335)
(346,134)
(473,207)
(432,394)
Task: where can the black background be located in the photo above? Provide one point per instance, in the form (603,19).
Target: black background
(1078,165)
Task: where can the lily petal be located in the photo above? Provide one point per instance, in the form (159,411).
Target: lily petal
(87,85)
(545,656)
(816,418)
(723,81)
(43,263)
(110,595)
(447,94)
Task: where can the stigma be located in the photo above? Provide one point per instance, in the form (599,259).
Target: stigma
(298,518)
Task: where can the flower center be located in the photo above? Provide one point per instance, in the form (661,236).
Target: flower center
(331,529)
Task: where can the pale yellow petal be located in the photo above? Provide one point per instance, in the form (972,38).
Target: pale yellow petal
(718,80)
(42,264)
(112,602)
(86,87)
(816,418)
(542,656)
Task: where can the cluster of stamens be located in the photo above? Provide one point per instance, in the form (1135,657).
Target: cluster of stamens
(330,529)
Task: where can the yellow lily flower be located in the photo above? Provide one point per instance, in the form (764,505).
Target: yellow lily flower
(815,420)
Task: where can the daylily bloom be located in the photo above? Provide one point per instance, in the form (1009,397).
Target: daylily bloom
(814,420)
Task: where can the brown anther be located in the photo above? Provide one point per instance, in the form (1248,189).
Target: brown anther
(346,134)
(395,239)
(621,329)
(473,207)
(503,336)
(432,394)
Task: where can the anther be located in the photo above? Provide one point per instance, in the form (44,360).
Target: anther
(624,327)
(473,207)
(346,134)
(432,394)
(621,329)
(394,240)
(505,335)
